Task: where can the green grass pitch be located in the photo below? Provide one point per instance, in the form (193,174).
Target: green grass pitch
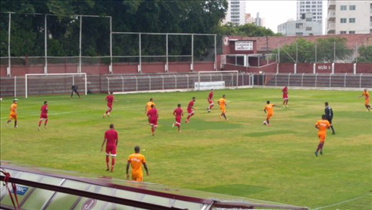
(239,157)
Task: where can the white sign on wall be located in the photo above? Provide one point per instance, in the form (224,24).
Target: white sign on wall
(243,45)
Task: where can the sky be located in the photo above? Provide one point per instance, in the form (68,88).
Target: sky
(277,12)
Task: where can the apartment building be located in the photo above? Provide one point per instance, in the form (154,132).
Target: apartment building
(305,26)
(315,7)
(349,17)
(236,12)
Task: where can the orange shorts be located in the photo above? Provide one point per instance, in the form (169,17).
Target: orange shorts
(13,116)
(366,102)
(223,110)
(269,116)
(137,177)
(321,138)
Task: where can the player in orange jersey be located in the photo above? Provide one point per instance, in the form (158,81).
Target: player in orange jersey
(269,111)
(322,126)
(148,105)
(13,114)
(136,160)
(366,99)
(223,105)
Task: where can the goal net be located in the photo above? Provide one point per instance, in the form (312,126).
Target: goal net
(217,80)
(46,84)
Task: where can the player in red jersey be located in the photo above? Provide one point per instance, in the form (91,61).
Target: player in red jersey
(210,101)
(178,113)
(110,100)
(44,115)
(111,136)
(190,109)
(153,116)
(285,96)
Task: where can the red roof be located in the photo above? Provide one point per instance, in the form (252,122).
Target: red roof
(272,42)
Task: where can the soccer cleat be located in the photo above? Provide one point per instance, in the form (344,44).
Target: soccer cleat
(316,154)
(107,169)
(334,133)
(103,116)
(173,125)
(321,152)
(186,121)
(220,117)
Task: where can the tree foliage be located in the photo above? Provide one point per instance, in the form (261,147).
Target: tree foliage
(327,50)
(245,30)
(365,54)
(165,16)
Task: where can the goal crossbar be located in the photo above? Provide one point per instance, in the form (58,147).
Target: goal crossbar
(58,74)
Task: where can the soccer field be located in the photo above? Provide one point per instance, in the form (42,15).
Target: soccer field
(239,157)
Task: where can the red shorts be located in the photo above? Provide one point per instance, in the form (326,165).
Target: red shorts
(43,116)
(178,120)
(285,97)
(190,112)
(109,106)
(111,150)
(210,101)
(153,122)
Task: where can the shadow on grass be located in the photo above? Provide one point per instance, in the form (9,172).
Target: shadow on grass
(241,190)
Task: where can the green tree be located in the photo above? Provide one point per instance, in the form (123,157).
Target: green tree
(245,30)
(365,54)
(325,51)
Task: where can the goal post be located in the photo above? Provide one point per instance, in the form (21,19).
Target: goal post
(217,80)
(54,83)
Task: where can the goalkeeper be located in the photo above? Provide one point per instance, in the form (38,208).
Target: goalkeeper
(74,88)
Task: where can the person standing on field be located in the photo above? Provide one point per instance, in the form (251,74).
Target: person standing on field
(322,126)
(136,160)
(329,115)
(366,99)
(13,114)
(74,89)
(285,96)
(111,139)
(43,115)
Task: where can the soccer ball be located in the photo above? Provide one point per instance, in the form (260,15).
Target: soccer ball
(264,122)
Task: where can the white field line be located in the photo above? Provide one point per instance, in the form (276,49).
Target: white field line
(342,202)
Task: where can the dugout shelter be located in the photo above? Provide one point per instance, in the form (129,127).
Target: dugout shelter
(39,188)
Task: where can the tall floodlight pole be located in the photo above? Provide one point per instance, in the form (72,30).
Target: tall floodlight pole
(140,53)
(46,44)
(110,68)
(192,53)
(80,40)
(166,52)
(215,52)
(9,60)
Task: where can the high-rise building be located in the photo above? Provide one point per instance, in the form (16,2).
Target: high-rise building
(349,17)
(303,27)
(315,7)
(236,12)
(258,21)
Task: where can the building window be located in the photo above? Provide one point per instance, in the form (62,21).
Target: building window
(309,28)
(351,32)
(342,32)
(351,20)
(299,34)
(343,20)
(343,7)
(299,25)
(352,7)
